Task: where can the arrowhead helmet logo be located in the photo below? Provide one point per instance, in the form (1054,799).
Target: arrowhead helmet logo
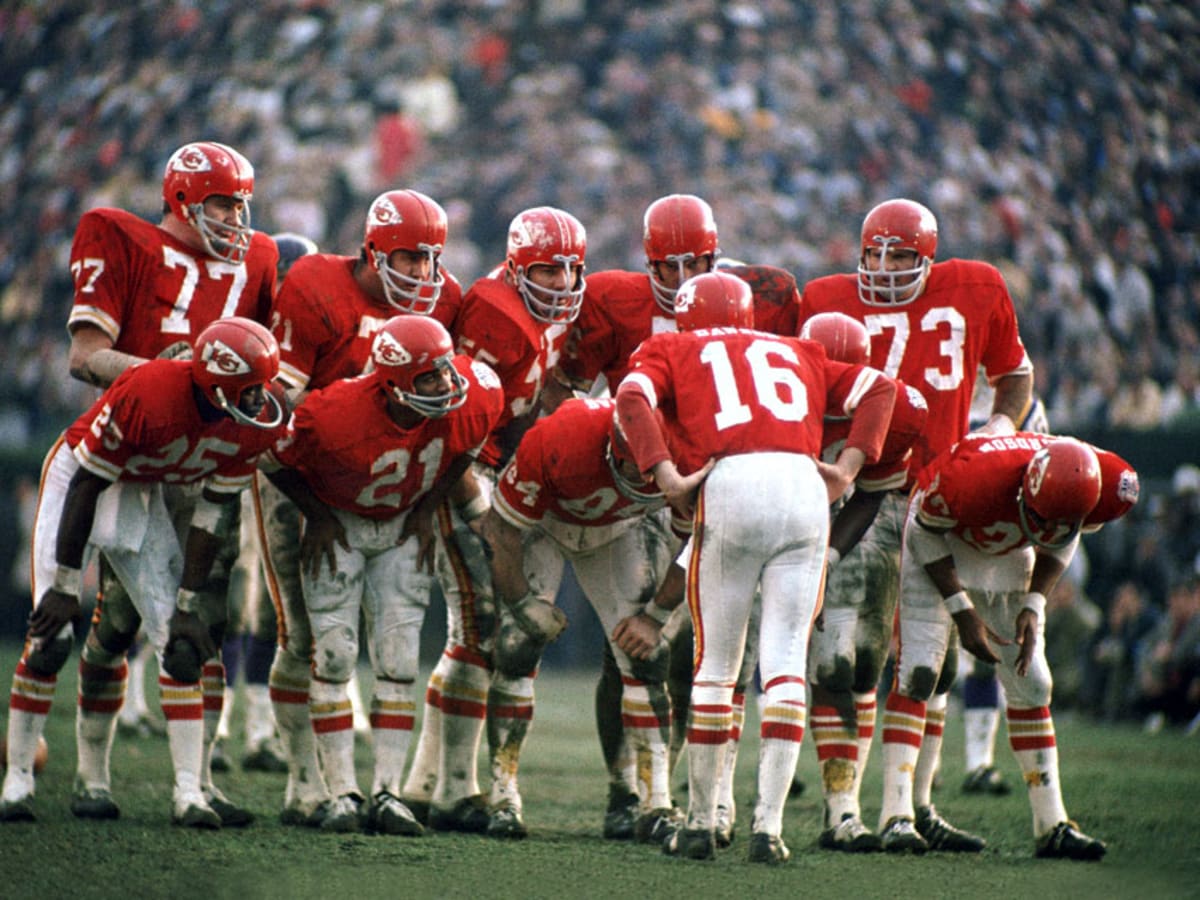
(685,297)
(190,159)
(390,352)
(384,212)
(1037,471)
(220,359)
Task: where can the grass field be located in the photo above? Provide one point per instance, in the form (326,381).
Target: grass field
(1140,793)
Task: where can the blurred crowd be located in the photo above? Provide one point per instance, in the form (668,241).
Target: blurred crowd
(1123,626)
(1060,142)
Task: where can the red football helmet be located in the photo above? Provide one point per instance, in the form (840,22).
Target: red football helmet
(714,300)
(198,171)
(231,356)
(844,339)
(1119,489)
(407,347)
(545,236)
(407,220)
(890,226)
(1060,487)
(677,229)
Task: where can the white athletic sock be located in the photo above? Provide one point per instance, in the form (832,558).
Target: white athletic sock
(1031,735)
(392,714)
(333,723)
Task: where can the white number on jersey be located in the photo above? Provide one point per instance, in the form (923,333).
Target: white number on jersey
(778,389)
(392,468)
(176,322)
(942,320)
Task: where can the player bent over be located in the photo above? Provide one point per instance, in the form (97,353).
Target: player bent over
(199,424)
(572,492)
(748,425)
(991,528)
(367,461)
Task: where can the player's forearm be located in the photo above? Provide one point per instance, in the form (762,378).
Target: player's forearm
(296,489)
(75,525)
(1014,396)
(872,416)
(102,367)
(944,576)
(853,520)
(508,558)
(1047,569)
(640,427)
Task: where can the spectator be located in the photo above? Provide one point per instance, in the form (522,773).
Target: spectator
(1110,690)
(1072,620)
(1169,669)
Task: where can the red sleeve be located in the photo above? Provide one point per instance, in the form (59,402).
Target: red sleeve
(871,402)
(640,426)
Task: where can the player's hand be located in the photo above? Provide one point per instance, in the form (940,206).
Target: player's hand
(186,626)
(1027,622)
(680,490)
(975,635)
(837,479)
(317,544)
(420,522)
(54,611)
(638,636)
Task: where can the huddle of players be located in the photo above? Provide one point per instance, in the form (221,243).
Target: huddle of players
(428,421)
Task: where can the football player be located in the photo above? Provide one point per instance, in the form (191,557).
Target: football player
(198,424)
(980,689)
(325,316)
(850,646)
(515,320)
(622,309)
(571,492)
(932,325)
(993,523)
(250,646)
(145,291)
(849,640)
(366,461)
(745,411)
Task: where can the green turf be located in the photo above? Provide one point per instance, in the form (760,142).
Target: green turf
(1140,793)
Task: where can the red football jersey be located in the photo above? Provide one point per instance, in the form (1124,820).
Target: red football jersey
(561,470)
(776,297)
(890,472)
(495,328)
(146,427)
(619,312)
(147,290)
(725,391)
(962,320)
(325,322)
(354,457)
